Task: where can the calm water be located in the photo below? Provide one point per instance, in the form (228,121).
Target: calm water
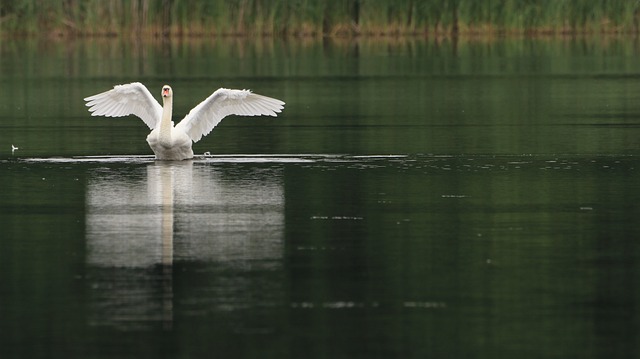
(415,199)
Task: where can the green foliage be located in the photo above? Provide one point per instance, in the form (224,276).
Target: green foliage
(316,17)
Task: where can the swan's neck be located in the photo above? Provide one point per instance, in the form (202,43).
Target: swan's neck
(165,124)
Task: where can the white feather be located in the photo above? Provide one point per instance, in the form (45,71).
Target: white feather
(125,100)
(224,102)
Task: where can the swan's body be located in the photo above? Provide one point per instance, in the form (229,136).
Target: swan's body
(171,142)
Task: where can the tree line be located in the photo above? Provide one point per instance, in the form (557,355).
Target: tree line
(316,17)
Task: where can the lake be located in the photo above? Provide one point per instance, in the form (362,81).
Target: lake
(416,198)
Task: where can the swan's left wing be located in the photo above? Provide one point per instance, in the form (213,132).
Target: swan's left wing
(125,100)
(223,102)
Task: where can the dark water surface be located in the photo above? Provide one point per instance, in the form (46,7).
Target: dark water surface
(415,199)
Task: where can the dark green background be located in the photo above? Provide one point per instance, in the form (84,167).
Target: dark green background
(503,224)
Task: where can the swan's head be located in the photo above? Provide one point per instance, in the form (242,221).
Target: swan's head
(167,91)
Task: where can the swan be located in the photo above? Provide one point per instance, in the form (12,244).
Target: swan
(170,142)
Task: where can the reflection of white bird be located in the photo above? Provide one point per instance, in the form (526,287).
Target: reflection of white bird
(174,143)
(13,148)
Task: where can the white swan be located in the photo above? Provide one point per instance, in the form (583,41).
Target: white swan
(174,143)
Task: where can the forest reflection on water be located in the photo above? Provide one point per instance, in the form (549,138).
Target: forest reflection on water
(281,248)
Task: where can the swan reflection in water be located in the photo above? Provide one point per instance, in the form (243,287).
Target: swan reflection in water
(141,222)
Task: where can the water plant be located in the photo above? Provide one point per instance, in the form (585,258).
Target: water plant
(317,17)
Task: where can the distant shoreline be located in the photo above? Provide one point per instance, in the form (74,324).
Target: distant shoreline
(318,18)
(339,32)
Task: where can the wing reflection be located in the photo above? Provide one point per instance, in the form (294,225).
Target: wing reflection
(141,221)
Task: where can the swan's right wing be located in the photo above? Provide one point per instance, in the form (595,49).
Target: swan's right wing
(125,100)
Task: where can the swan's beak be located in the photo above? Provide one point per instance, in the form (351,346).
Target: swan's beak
(165,92)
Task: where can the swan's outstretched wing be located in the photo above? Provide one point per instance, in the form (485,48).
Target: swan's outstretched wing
(125,100)
(223,102)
